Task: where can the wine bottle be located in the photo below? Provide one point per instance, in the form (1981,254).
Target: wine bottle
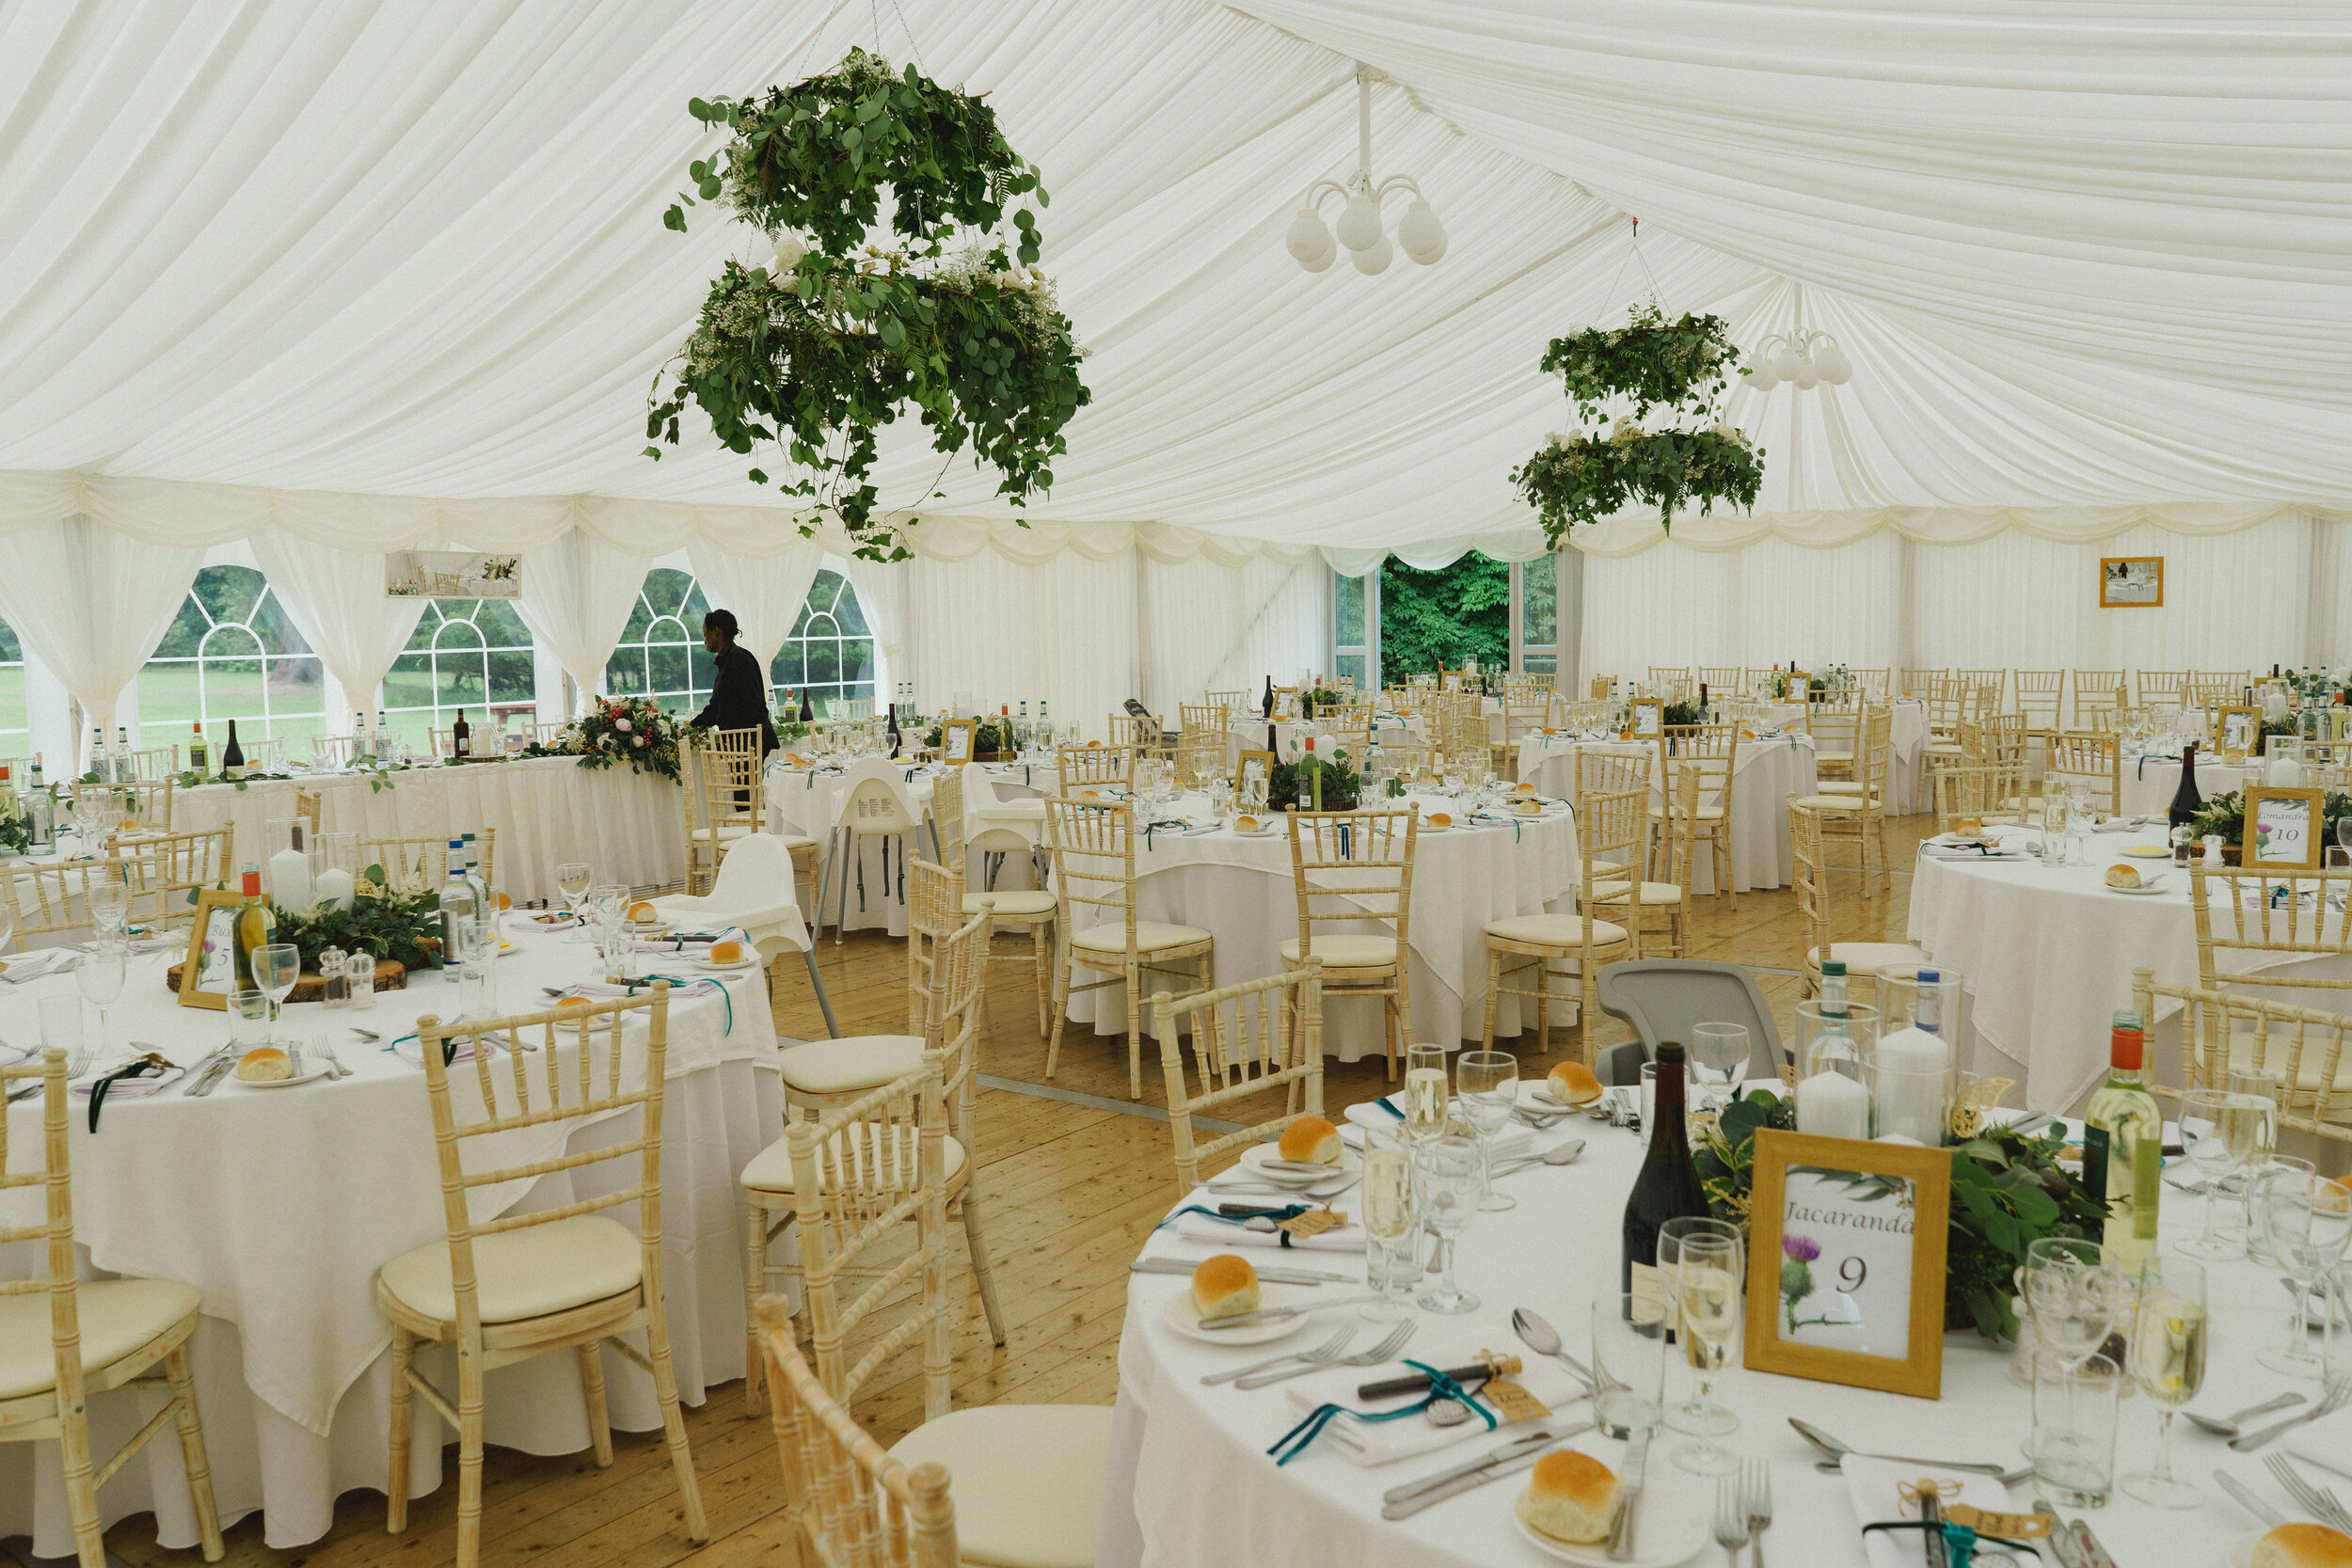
(893,728)
(232,755)
(2186,800)
(126,761)
(1307,775)
(256,926)
(1667,1185)
(808,710)
(461,737)
(2124,1148)
(199,755)
(1268,707)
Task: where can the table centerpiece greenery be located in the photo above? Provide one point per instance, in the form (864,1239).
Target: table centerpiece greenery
(989,738)
(1341,783)
(2224,817)
(381,921)
(621,730)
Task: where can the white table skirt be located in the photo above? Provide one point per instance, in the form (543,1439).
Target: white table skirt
(1189,1484)
(2149,782)
(543,808)
(279,1205)
(1240,891)
(1767,772)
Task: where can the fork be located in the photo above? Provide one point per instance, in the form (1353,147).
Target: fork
(2309,1499)
(1338,1343)
(1755,1480)
(1731,1519)
(2337,1397)
(1385,1350)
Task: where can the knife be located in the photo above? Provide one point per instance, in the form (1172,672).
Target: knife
(1509,1460)
(213,1074)
(201,1074)
(2093,1555)
(1636,1461)
(1272,1276)
(2061,1538)
(1275,1314)
(2246,1499)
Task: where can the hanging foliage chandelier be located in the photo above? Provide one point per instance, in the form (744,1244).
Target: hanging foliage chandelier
(1419,234)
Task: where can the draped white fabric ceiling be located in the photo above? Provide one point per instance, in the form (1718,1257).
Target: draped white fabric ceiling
(2085,260)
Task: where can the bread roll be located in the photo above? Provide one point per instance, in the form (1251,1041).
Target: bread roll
(1247,824)
(1573,1084)
(2122,875)
(1440,819)
(2303,1546)
(571,1004)
(265,1065)
(1570,1497)
(1967,827)
(1224,1287)
(728,952)
(642,911)
(1311,1140)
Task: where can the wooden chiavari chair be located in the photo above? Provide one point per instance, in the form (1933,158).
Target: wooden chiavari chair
(2227,1034)
(1994,678)
(1873,682)
(2156,686)
(1675,680)
(47,899)
(722,801)
(332,751)
(850,1175)
(1078,767)
(420,865)
(2094,762)
(1862,960)
(153,764)
(849,709)
(144,806)
(1248,1040)
(1031,1473)
(1232,702)
(1835,721)
(1094,875)
(2096,693)
(160,873)
(1921,683)
(1661,910)
(526,1285)
(1596,689)
(1613,824)
(1139,731)
(64,1338)
(1861,813)
(1525,712)
(1982,795)
(1033,912)
(1721,677)
(1715,750)
(1349,868)
(2269,917)
(2042,699)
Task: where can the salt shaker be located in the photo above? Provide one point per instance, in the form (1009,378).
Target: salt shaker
(2213,849)
(360,971)
(335,979)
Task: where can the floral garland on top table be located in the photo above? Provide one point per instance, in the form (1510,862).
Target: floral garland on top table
(632,731)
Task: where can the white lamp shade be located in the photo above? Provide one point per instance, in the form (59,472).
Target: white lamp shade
(1309,241)
(1833,366)
(1375,259)
(1808,376)
(1360,225)
(1762,377)
(1323,257)
(1786,363)
(1420,235)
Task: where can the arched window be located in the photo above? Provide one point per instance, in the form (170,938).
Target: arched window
(15,726)
(831,651)
(661,652)
(467,656)
(232,653)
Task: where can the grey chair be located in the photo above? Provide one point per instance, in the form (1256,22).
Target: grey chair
(1662,998)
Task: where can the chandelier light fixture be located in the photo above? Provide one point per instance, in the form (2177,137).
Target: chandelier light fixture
(1803,359)
(1419,234)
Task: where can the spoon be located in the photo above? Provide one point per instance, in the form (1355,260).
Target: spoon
(1560,1155)
(1543,1339)
(1836,1450)
(2227,1426)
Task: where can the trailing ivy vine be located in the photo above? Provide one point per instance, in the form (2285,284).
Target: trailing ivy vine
(820,355)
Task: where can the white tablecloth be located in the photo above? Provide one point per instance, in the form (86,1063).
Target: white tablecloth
(2149,782)
(1905,738)
(279,1205)
(1189,1484)
(1249,735)
(543,809)
(1239,889)
(1767,772)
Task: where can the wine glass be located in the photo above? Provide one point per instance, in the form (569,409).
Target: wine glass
(2053,828)
(1722,1049)
(1389,1217)
(2219,1134)
(1670,1237)
(100,975)
(277,965)
(1447,1175)
(2072,1292)
(109,900)
(2305,1219)
(1424,1092)
(1711,1304)
(572,879)
(2169,1362)
(2343,839)
(1487,1085)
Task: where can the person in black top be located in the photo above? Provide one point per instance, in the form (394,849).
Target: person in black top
(738,688)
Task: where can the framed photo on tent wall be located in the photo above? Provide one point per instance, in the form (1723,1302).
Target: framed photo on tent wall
(2131,582)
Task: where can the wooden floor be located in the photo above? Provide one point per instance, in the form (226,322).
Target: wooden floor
(1070,1192)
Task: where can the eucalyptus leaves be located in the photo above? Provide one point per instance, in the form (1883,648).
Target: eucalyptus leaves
(818,354)
(1648,364)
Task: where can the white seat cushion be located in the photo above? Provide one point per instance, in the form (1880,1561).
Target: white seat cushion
(1027,1479)
(1339,951)
(1704,814)
(882,1150)
(117,1316)
(1652,892)
(1841,786)
(1833,800)
(1010,904)
(724,831)
(1942,748)
(2275,1066)
(1151,935)
(1825,758)
(1553,930)
(1869,958)
(851,1065)
(523,1273)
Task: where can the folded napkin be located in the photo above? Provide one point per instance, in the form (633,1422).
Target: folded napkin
(598,990)
(693,943)
(2327,1442)
(1953,852)
(411,1050)
(34,966)
(1379,1442)
(127,1088)
(1872,1484)
(1221,1233)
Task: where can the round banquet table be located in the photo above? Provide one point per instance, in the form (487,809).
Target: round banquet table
(1239,889)
(2045,955)
(2148,781)
(1247,734)
(1189,1483)
(543,809)
(1764,773)
(279,1205)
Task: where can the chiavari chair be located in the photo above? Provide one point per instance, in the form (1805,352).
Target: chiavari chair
(2269,918)
(2226,1034)
(1861,813)
(1835,721)
(2098,691)
(2213,689)
(1979,678)
(723,800)
(64,1338)
(1721,677)
(1862,960)
(420,865)
(47,899)
(1347,869)
(1661,910)
(1983,795)
(1713,750)
(1079,766)
(1596,689)
(1612,824)
(1675,681)
(1141,731)
(1922,683)
(159,873)
(2090,761)
(154,763)
(1873,682)
(1032,912)
(1232,702)
(333,751)
(2157,686)
(849,709)
(144,806)
(1248,1040)
(2041,698)
(1094,875)
(531,1284)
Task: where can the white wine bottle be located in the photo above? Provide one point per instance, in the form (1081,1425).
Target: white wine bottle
(2124,1149)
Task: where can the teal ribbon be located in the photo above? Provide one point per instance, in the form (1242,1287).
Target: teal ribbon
(1288,1212)
(1294,1442)
(725,995)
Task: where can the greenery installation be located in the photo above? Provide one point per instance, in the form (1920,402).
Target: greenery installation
(2224,817)
(820,358)
(1675,367)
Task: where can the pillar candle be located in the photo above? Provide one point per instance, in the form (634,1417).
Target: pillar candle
(1831,1105)
(334,888)
(290,879)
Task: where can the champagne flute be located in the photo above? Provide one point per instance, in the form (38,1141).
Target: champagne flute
(573,879)
(2169,1362)
(277,965)
(2306,1219)
(1446,1175)
(109,901)
(1706,1291)
(1424,1092)
(1487,1085)
(100,975)
(1389,1216)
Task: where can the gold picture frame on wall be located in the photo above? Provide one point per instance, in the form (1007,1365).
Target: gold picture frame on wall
(2131,582)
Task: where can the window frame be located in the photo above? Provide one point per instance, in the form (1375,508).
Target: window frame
(678,703)
(435,653)
(798,641)
(276,725)
(1521,650)
(1369,649)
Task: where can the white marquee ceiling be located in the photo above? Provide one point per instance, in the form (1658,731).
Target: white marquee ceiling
(2084,257)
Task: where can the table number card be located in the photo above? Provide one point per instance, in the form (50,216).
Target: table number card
(2236,731)
(2283,829)
(1845,1268)
(955,740)
(1649,719)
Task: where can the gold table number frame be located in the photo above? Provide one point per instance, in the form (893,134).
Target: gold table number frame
(214,929)
(2290,837)
(2251,720)
(1646,719)
(955,741)
(1853,1202)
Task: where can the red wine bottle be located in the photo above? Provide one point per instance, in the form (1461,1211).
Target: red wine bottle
(2186,800)
(1667,1185)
